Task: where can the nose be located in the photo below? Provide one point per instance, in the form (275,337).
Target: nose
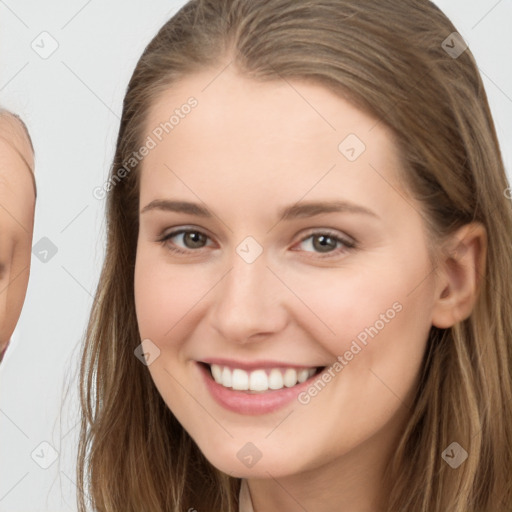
(249,302)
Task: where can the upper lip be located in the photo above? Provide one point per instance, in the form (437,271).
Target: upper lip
(253,365)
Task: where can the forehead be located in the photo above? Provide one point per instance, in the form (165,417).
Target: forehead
(276,136)
(228,100)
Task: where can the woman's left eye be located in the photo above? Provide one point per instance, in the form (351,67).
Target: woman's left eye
(321,241)
(324,240)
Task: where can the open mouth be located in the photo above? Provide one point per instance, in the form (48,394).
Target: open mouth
(260,380)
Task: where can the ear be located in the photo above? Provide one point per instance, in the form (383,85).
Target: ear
(460,272)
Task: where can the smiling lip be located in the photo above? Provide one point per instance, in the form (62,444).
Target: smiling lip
(249,403)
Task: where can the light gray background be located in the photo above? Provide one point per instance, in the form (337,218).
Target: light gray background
(71,102)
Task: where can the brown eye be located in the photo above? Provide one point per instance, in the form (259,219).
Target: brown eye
(330,244)
(324,243)
(191,239)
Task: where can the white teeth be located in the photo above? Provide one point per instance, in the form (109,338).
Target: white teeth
(275,379)
(217,372)
(302,375)
(240,380)
(259,380)
(226,378)
(290,377)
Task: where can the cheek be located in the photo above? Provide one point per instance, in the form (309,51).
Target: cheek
(342,304)
(164,299)
(165,295)
(376,321)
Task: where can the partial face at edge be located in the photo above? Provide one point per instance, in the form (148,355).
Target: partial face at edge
(302,297)
(17,198)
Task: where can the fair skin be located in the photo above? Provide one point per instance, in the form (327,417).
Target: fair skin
(17,204)
(246,151)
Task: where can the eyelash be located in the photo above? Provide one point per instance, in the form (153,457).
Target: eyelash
(348,245)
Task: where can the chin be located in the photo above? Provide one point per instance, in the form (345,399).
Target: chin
(236,462)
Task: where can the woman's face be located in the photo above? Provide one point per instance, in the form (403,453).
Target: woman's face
(342,282)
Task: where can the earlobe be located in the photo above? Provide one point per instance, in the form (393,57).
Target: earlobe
(460,273)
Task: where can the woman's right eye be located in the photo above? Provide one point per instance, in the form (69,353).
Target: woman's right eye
(190,237)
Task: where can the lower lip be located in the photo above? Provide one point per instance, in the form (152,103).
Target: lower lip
(253,404)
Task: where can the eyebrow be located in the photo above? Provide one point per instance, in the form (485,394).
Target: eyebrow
(304,209)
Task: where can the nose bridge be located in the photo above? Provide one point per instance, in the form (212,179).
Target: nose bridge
(246,300)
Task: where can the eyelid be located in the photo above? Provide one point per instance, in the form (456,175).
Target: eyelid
(183,229)
(331,232)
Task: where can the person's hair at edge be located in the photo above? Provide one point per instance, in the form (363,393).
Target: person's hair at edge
(133,453)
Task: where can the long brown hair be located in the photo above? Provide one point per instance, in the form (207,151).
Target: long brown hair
(388,58)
